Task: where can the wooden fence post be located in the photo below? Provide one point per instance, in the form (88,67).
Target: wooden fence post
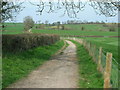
(99,68)
(94,51)
(90,49)
(107,72)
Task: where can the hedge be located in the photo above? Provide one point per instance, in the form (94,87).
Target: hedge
(20,42)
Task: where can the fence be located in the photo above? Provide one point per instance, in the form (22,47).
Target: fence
(107,65)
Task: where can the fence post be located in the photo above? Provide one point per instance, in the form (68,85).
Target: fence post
(83,42)
(99,68)
(94,49)
(90,49)
(107,72)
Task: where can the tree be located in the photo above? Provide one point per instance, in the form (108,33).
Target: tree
(9,9)
(58,24)
(106,8)
(73,7)
(28,23)
(46,22)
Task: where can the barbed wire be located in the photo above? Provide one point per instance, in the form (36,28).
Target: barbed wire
(112,58)
(104,51)
(115,61)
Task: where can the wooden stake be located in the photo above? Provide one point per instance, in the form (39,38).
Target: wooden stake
(99,68)
(94,53)
(107,72)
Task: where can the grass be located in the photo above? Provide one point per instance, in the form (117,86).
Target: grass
(18,65)
(89,27)
(89,76)
(75,29)
(15,28)
(108,45)
(76,32)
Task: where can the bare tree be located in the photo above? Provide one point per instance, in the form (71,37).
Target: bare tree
(58,25)
(9,9)
(108,9)
(73,7)
(28,23)
(46,22)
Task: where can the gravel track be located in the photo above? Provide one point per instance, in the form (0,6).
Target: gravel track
(59,72)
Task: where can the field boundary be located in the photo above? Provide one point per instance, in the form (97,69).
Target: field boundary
(89,36)
(106,64)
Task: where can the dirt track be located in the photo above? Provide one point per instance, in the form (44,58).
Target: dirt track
(60,72)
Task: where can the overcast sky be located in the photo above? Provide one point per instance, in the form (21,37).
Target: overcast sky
(88,14)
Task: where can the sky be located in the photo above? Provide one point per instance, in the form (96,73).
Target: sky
(88,14)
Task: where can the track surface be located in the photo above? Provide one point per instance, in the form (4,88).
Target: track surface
(60,72)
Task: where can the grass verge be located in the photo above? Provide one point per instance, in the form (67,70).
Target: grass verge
(89,76)
(16,66)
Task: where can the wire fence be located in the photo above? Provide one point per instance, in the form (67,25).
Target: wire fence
(94,52)
(100,58)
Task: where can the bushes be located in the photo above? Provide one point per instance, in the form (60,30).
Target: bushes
(112,29)
(82,28)
(26,41)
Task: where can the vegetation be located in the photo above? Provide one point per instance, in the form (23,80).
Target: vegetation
(68,29)
(89,76)
(16,66)
(76,32)
(108,45)
(13,28)
(20,42)
(28,23)
(31,57)
(79,29)
(8,8)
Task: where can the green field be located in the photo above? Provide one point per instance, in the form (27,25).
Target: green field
(11,28)
(108,44)
(89,29)
(76,32)
(30,59)
(75,29)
